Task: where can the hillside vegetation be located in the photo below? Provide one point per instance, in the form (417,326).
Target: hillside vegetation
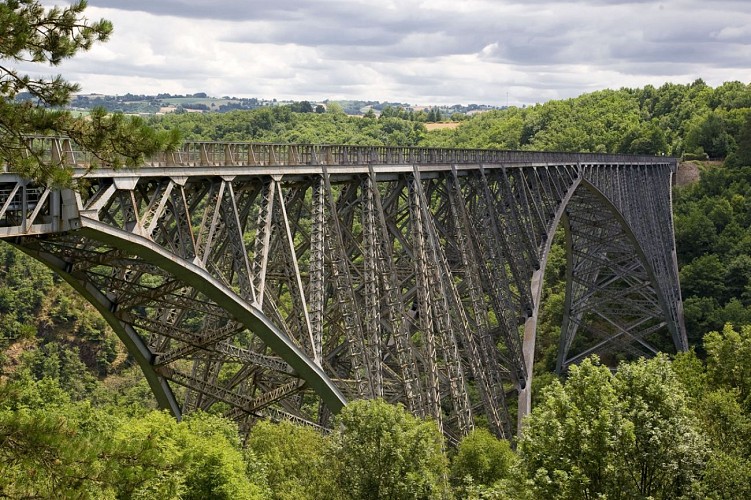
(78,421)
(674,119)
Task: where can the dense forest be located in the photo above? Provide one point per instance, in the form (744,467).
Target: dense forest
(77,420)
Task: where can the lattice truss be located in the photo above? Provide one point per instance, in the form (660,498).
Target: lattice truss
(622,285)
(413,286)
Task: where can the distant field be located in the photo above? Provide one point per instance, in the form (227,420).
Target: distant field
(442,125)
(208,101)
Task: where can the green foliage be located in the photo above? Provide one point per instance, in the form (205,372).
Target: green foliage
(704,275)
(211,460)
(651,430)
(281,124)
(727,476)
(55,448)
(729,361)
(44,456)
(335,108)
(25,392)
(65,337)
(698,154)
(302,107)
(691,372)
(33,34)
(569,442)
(631,435)
(551,313)
(726,425)
(382,451)
(482,458)
(647,138)
(710,135)
(62,364)
(294,458)
(662,450)
(713,240)
(671,119)
(744,142)
(718,389)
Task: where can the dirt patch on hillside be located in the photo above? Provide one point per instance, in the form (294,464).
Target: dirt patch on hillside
(13,356)
(688,173)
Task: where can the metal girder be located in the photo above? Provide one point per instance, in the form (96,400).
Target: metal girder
(265,276)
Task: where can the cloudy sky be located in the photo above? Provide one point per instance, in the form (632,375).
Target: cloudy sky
(414,51)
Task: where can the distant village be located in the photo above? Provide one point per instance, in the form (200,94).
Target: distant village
(202,103)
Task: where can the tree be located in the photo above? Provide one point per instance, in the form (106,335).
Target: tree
(334,108)
(434,115)
(705,277)
(695,233)
(629,435)
(302,107)
(726,476)
(31,33)
(729,361)
(43,455)
(648,138)
(661,452)
(710,134)
(569,442)
(716,389)
(294,458)
(54,447)
(744,142)
(483,458)
(214,465)
(57,362)
(382,451)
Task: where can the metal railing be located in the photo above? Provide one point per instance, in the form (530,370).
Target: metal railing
(226,154)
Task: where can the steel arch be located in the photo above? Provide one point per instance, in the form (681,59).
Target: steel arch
(198,278)
(583,278)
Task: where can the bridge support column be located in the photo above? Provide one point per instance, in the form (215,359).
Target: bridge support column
(528,350)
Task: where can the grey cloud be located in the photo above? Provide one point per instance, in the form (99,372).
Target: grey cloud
(544,43)
(543,33)
(700,53)
(659,69)
(201,9)
(691,37)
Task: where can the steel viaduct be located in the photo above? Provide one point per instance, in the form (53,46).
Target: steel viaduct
(280,281)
